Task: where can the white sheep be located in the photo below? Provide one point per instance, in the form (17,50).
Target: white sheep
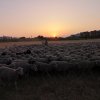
(9,75)
(27,68)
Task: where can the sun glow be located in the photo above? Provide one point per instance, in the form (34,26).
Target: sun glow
(54,35)
(53,29)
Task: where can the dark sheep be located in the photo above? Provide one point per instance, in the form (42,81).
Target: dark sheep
(10,75)
(27,68)
(43,67)
(5,61)
(60,66)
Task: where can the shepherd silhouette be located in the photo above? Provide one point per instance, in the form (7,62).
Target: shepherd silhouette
(45,42)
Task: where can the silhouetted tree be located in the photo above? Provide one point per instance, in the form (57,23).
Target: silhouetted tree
(40,37)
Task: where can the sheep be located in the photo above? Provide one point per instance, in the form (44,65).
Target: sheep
(27,52)
(4,65)
(44,60)
(51,58)
(43,67)
(4,53)
(95,57)
(85,66)
(56,57)
(60,66)
(5,60)
(9,75)
(27,68)
(96,67)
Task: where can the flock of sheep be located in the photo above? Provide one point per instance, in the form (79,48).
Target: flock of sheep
(19,61)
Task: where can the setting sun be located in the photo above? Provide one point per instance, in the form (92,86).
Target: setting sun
(54,35)
(53,29)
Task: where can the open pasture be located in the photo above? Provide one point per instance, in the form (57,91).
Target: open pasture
(66,70)
(9,44)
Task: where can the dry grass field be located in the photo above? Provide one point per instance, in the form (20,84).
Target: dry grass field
(9,44)
(58,87)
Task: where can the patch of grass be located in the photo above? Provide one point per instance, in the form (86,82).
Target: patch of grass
(56,87)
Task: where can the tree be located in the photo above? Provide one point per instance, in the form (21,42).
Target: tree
(40,37)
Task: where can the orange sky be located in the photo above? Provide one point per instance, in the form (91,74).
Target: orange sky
(48,17)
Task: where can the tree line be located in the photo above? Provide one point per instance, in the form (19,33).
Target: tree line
(82,35)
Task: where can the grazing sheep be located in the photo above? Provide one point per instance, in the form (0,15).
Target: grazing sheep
(5,61)
(27,68)
(4,53)
(44,60)
(60,66)
(51,58)
(32,60)
(60,58)
(96,67)
(43,67)
(85,65)
(27,52)
(19,53)
(4,65)
(9,75)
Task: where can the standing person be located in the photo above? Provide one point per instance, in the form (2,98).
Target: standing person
(46,42)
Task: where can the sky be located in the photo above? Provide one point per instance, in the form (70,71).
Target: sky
(31,18)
